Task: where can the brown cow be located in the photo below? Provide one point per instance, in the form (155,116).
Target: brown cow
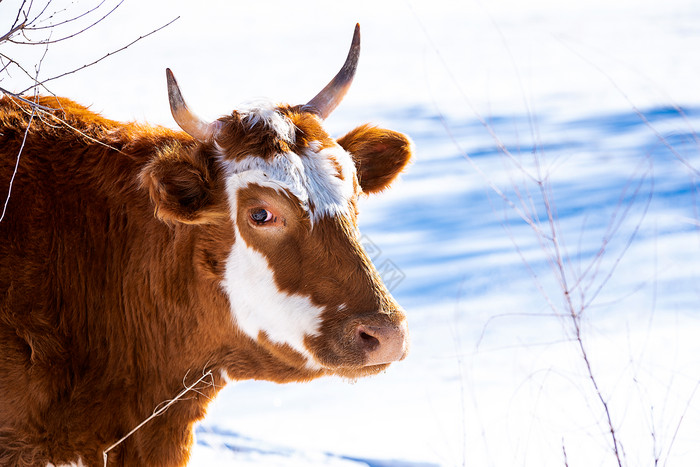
(134,259)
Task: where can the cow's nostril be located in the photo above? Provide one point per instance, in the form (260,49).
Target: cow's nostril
(368,341)
(382,343)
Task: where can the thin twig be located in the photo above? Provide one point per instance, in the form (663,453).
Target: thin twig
(638,112)
(32,104)
(14,173)
(53,41)
(12,31)
(42,83)
(680,421)
(20,11)
(24,140)
(70,20)
(603,401)
(156,413)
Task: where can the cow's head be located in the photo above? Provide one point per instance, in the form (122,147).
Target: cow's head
(297,279)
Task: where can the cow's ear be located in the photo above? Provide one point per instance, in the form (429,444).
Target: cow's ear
(181,187)
(379,155)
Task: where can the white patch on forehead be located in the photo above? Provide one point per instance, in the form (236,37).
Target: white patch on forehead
(313,179)
(282,173)
(329,193)
(258,305)
(265,113)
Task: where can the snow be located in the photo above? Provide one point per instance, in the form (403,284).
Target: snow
(595,104)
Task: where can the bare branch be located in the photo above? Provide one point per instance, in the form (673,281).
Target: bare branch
(12,31)
(14,173)
(43,82)
(32,104)
(20,11)
(74,18)
(24,141)
(50,41)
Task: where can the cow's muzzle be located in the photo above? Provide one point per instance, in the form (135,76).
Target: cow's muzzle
(382,344)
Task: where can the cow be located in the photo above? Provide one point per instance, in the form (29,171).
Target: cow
(136,258)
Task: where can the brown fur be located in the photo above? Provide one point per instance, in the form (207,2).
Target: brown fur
(112,253)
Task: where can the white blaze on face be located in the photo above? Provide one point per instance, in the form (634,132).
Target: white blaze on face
(257,304)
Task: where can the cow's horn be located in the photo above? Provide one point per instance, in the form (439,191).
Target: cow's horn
(194,126)
(328,99)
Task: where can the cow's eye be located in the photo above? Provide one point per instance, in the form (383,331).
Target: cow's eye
(260,215)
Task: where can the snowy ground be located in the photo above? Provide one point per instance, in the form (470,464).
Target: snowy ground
(599,102)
